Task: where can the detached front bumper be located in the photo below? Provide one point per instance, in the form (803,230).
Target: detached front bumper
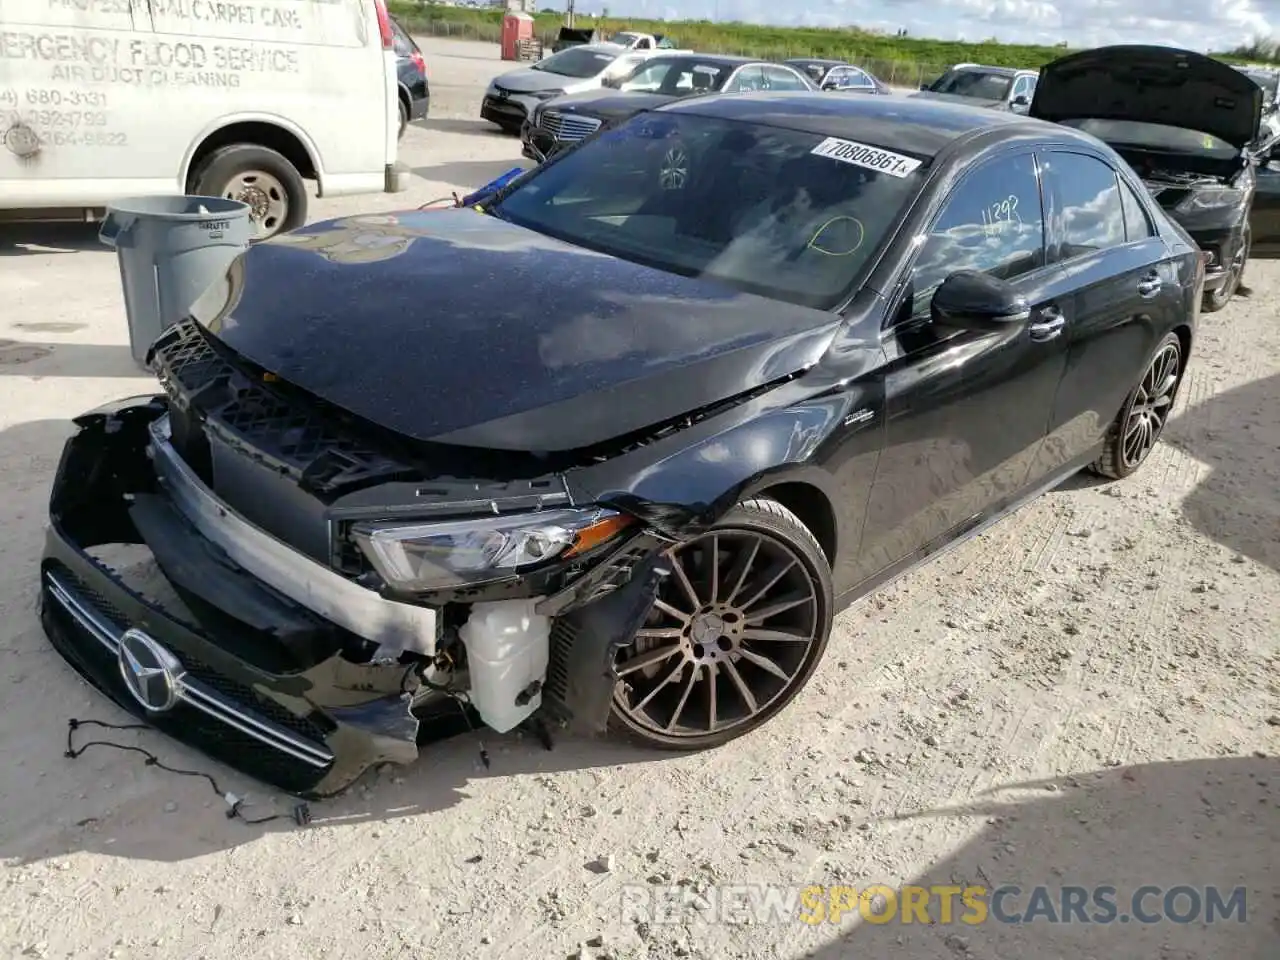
(268,660)
(1221,247)
(272,689)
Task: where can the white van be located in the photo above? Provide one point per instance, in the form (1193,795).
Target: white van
(105,99)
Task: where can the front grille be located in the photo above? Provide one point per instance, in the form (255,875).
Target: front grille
(568,127)
(229,688)
(234,745)
(297,439)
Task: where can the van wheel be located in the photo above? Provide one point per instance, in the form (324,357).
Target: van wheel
(260,177)
(404,117)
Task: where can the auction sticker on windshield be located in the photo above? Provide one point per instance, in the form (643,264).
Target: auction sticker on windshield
(861,155)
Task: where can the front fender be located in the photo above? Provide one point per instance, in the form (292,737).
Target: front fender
(687,489)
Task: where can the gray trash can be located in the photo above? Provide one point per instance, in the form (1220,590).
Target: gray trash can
(171,249)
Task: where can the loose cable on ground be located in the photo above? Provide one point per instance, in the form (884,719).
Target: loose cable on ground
(300,814)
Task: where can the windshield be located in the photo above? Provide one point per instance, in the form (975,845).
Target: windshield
(576,62)
(677,76)
(1154,136)
(783,214)
(974,83)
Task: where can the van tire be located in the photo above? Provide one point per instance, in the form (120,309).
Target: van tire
(278,195)
(404,118)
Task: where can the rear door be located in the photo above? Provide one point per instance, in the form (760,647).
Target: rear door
(966,411)
(1127,290)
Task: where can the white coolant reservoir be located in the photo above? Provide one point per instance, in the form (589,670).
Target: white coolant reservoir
(507,650)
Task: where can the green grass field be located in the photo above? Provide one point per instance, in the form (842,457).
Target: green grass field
(903,61)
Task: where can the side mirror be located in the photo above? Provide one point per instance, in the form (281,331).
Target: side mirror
(1021,100)
(612,83)
(924,86)
(969,300)
(831,85)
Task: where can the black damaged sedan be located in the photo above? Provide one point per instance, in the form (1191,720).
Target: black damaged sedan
(750,358)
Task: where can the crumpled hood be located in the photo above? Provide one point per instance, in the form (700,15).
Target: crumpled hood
(956,98)
(456,327)
(1147,84)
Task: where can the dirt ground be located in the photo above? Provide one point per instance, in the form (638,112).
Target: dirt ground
(1087,694)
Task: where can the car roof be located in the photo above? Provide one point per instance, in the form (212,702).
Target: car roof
(818,62)
(721,58)
(602,46)
(999,71)
(921,127)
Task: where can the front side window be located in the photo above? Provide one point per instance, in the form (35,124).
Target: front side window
(576,62)
(780,78)
(676,76)
(781,213)
(978,84)
(993,222)
(856,78)
(748,79)
(1092,216)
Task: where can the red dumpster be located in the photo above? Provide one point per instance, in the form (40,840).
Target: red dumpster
(515,27)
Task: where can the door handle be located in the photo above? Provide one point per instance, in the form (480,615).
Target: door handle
(1048,325)
(1149,286)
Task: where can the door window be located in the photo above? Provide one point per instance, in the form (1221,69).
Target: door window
(993,222)
(748,78)
(1090,211)
(1022,88)
(782,78)
(1137,225)
(856,79)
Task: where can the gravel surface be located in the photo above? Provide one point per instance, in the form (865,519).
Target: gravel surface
(1087,694)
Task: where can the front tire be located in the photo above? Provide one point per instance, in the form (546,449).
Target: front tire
(1215,300)
(736,632)
(271,186)
(1145,413)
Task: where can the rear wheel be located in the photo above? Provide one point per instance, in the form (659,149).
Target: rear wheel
(404,118)
(260,177)
(1145,413)
(736,632)
(1215,300)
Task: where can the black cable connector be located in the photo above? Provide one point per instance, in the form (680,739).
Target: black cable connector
(300,814)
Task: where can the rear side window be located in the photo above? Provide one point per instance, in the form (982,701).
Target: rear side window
(1137,225)
(993,223)
(1090,210)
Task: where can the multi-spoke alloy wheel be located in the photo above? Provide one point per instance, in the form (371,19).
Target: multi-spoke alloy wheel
(1145,414)
(735,633)
(674,170)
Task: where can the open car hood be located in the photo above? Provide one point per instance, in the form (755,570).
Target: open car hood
(1145,84)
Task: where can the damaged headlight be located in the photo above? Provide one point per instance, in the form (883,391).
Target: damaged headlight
(431,556)
(1212,198)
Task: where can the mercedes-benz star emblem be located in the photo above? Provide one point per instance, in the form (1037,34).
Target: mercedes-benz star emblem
(152,674)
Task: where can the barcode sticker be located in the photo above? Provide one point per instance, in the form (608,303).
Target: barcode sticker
(862,155)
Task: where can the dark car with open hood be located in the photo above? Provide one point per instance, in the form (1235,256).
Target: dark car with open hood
(752,357)
(568,119)
(1188,124)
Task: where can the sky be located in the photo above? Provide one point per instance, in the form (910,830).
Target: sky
(1195,24)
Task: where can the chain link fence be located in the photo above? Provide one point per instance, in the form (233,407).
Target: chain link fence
(908,74)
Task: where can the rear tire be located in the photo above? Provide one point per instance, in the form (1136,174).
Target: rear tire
(260,177)
(736,632)
(1145,413)
(404,118)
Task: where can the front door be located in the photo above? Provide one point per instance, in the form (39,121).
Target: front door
(1126,290)
(966,411)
